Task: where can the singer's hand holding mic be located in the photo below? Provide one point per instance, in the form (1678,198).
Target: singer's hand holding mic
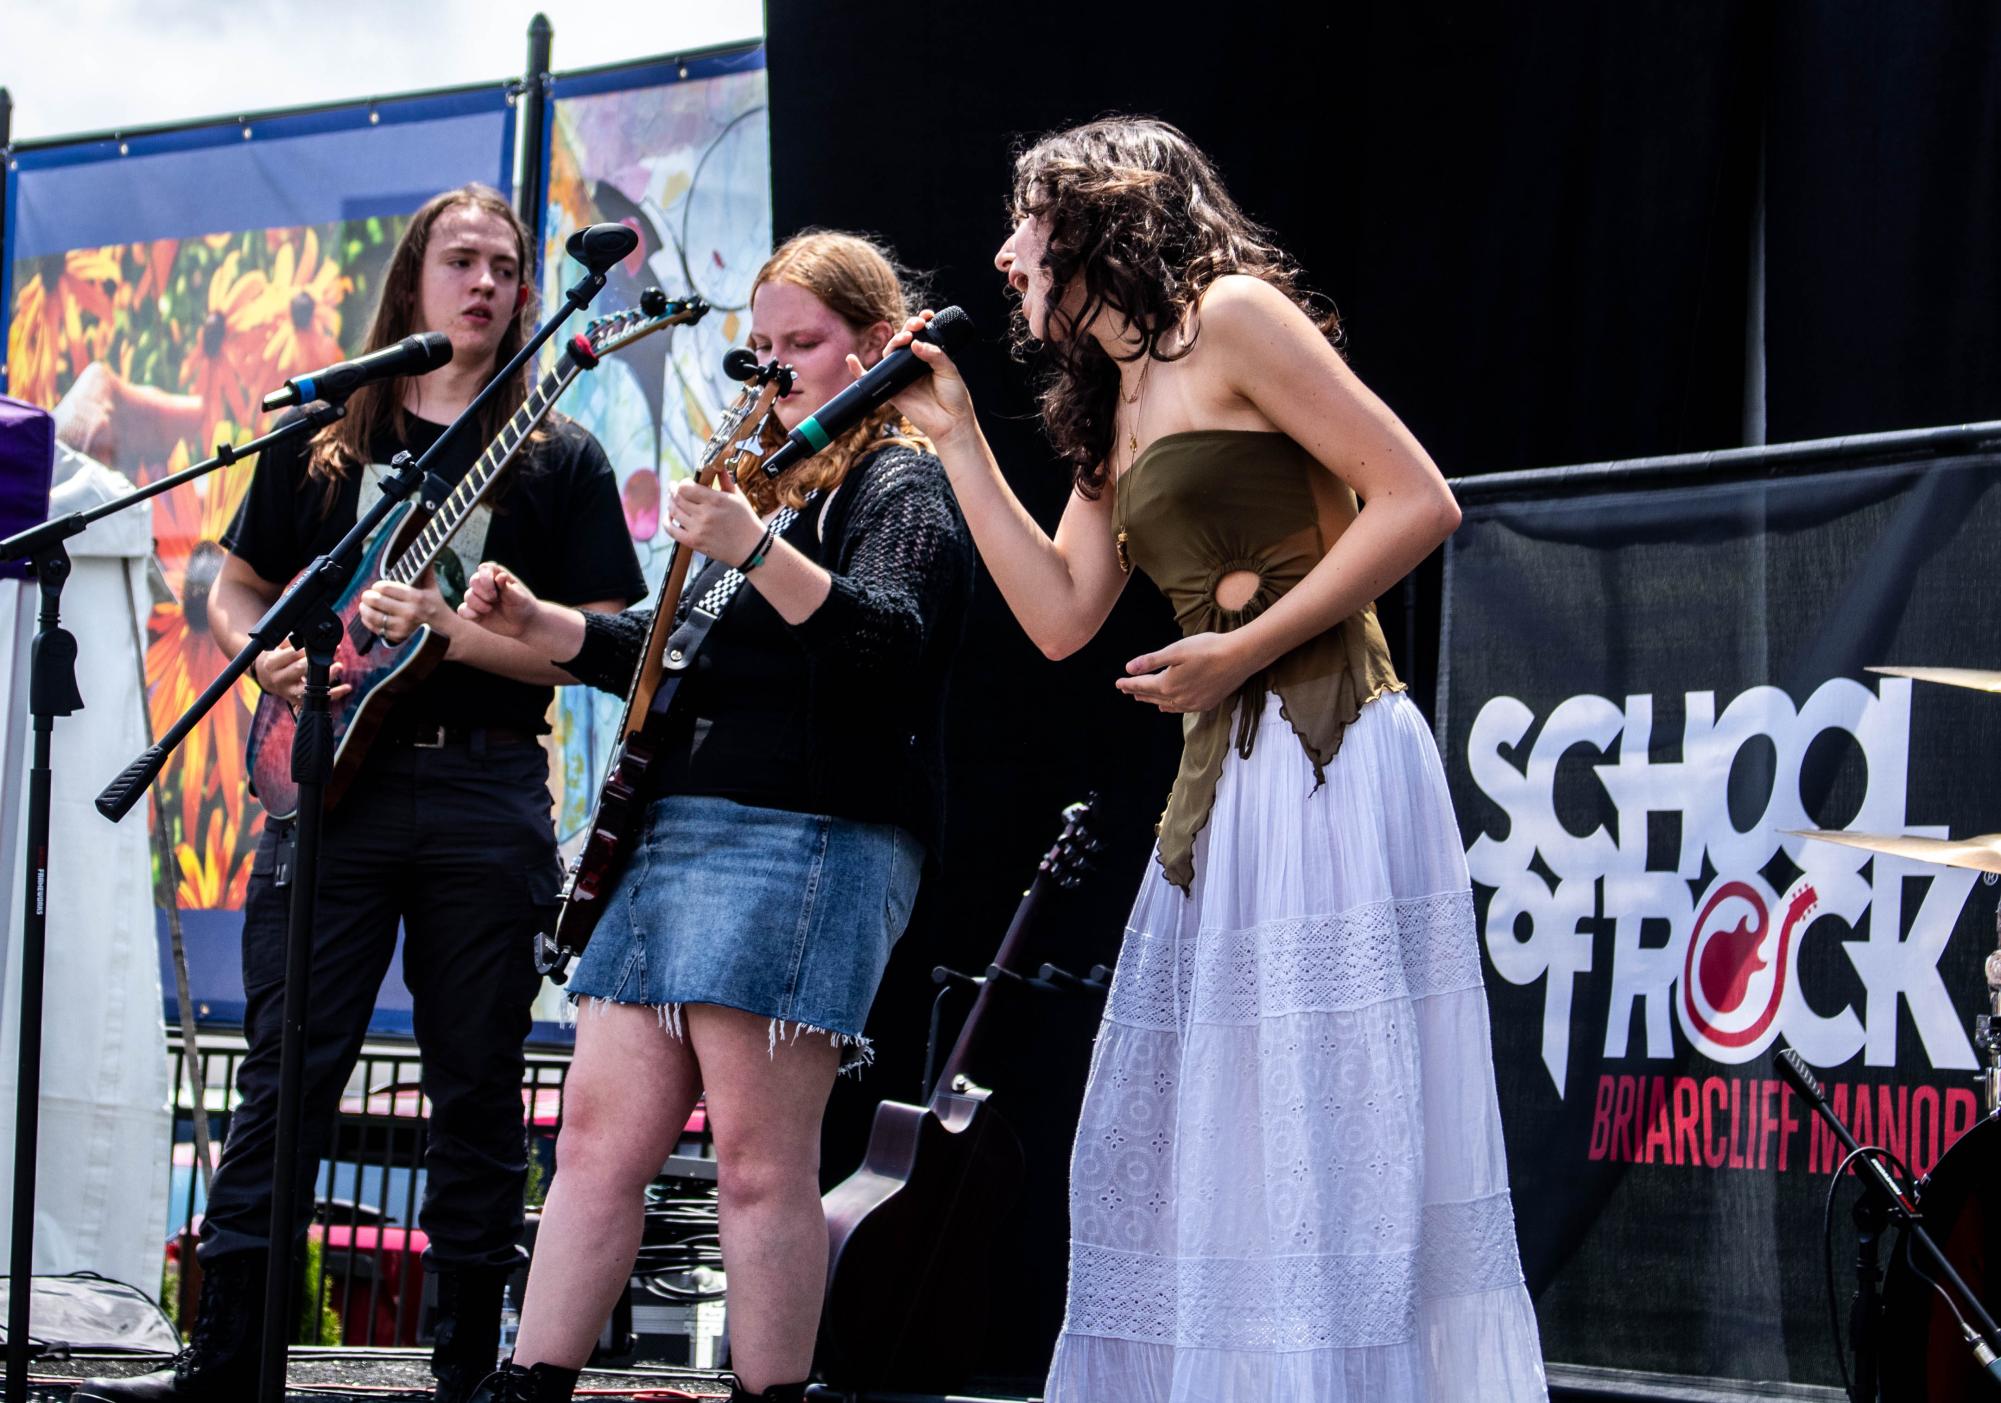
(916,359)
(939,403)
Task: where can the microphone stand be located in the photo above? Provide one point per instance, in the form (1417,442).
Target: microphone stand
(306,612)
(52,692)
(1884,1201)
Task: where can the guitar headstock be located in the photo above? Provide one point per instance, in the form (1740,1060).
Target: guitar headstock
(1070,859)
(734,444)
(614,331)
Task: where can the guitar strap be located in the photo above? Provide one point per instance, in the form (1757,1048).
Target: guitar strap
(717,585)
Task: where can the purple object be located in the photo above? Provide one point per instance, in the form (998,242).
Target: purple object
(27,464)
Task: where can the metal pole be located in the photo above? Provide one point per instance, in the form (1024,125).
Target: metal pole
(312,764)
(534,153)
(51,693)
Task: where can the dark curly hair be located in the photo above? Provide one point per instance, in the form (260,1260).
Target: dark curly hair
(1138,214)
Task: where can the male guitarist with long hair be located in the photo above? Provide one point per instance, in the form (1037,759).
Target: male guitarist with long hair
(446,828)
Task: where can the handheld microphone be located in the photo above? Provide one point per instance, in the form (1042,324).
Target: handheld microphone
(413,355)
(950,329)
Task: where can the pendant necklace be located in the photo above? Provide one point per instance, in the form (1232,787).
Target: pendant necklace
(1121,542)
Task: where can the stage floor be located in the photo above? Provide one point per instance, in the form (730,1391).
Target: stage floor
(376,1375)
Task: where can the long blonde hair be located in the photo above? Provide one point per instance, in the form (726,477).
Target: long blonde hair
(861,282)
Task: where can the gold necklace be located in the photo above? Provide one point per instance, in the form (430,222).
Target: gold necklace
(1122,542)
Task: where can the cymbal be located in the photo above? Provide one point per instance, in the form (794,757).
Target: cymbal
(1976,678)
(1982,854)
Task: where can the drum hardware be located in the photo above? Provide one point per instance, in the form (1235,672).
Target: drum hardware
(1979,679)
(1885,1200)
(1981,853)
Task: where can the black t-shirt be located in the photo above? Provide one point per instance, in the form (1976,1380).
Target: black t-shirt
(556,523)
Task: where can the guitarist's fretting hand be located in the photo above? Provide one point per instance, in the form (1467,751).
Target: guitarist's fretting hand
(281,671)
(396,610)
(498,602)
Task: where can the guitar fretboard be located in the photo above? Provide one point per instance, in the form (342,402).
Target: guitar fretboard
(452,512)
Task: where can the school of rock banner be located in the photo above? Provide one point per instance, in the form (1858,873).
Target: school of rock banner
(1644,691)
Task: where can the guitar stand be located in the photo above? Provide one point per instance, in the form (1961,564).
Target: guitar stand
(947,979)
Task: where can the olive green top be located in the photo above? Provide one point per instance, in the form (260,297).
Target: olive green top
(1198,506)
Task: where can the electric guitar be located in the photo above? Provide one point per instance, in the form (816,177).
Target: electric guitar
(375,670)
(621,802)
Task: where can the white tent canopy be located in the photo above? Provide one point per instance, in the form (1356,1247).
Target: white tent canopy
(101,1190)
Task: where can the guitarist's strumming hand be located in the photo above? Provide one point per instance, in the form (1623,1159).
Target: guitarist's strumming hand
(281,671)
(497,601)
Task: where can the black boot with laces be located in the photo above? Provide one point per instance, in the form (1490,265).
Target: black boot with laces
(220,1363)
(538,1383)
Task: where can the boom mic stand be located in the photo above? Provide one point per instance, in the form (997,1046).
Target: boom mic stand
(305,613)
(1884,1200)
(52,692)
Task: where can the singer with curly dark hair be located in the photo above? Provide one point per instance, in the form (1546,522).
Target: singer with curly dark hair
(1288,1181)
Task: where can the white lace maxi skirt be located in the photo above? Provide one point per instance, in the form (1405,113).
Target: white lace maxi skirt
(1289,1182)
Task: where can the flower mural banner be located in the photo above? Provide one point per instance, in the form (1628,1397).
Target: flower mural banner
(681,153)
(155,287)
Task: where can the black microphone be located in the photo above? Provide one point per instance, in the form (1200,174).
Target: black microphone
(413,355)
(950,329)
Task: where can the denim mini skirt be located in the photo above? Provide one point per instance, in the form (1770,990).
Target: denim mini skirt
(786,915)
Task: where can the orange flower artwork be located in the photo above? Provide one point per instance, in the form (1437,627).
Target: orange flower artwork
(207,773)
(301,304)
(213,320)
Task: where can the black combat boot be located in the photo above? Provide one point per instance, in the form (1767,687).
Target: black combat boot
(467,1329)
(220,1363)
(777,1393)
(538,1383)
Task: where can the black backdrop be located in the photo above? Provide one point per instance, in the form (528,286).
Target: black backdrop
(1537,220)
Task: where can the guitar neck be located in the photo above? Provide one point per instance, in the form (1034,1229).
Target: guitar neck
(480,477)
(966,1056)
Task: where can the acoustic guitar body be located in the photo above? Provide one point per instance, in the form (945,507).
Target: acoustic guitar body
(911,1234)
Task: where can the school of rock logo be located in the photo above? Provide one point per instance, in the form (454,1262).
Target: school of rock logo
(1700,940)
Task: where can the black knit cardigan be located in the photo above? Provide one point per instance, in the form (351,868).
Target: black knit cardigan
(877,652)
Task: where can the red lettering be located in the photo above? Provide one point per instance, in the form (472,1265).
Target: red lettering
(1924,1129)
(1657,1121)
(1601,1127)
(1713,1096)
(1823,1150)
(1789,1123)
(1892,1104)
(1735,1158)
(1961,1111)
(1622,1115)
(1687,1149)
(1863,1126)
(1768,1126)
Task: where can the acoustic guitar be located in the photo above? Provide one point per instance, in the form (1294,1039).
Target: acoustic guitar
(910,1231)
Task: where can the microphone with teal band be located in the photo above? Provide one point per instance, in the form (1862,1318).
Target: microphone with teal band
(949,329)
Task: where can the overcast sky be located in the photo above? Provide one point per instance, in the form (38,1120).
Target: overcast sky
(94,65)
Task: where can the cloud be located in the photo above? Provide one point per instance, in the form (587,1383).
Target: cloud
(99,65)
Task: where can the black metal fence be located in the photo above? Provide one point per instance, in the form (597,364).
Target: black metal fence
(365,1258)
